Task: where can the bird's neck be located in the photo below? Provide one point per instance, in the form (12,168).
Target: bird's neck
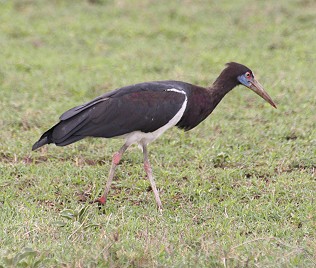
(203,101)
(219,89)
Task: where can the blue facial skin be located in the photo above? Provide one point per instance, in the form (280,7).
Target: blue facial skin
(242,79)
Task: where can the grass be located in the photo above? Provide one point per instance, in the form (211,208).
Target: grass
(238,191)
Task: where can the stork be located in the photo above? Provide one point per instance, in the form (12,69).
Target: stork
(142,112)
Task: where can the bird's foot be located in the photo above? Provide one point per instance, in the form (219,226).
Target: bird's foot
(100,201)
(160,210)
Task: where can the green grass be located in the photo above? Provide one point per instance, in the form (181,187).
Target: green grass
(238,191)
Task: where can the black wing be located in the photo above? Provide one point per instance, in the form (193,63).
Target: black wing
(144,107)
(156,86)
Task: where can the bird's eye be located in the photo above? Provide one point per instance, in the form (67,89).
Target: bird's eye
(248,74)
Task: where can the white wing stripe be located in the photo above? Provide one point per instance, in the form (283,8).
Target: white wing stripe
(176,90)
(145,138)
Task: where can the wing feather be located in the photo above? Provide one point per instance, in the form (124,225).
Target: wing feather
(115,114)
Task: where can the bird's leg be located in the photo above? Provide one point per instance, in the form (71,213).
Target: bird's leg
(150,177)
(115,161)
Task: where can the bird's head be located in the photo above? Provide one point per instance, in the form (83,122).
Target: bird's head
(242,75)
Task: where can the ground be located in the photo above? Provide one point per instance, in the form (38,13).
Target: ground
(238,190)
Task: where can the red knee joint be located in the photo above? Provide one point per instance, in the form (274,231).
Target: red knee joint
(147,167)
(116,158)
(101,200)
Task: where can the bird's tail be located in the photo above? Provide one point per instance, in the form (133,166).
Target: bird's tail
(44,139)
(40,143)
(62,134)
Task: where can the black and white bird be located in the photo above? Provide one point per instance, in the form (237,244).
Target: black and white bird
(142,112)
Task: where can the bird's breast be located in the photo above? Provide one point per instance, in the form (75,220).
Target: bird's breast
(198,108)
